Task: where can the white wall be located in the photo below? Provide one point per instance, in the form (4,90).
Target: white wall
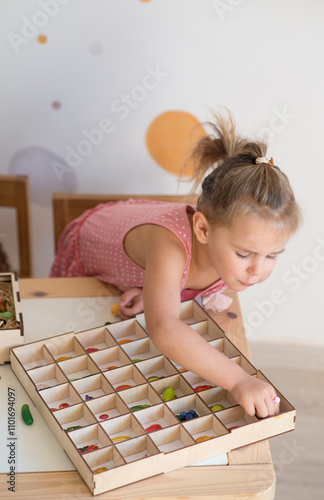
(262,59)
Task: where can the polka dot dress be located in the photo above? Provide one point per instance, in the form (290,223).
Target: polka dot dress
(92,245)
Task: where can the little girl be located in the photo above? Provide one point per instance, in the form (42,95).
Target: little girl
(160,253)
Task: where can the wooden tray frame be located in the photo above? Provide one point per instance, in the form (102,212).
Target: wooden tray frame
(11,337)
(144,454)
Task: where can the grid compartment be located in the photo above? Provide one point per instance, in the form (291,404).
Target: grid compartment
(158,367)
(137,448)
(121,378)
(105,458)
(127,331)
(60,396)
(47,376)
(74,416)
(93,387)
(78,367)
(217,396)
(96,339)
(90,438)
(159,415)
(109,359)
(141,349)
(64,347)
(123,428)
(36,356)
(143,395)
(107,407)
(178,384)
(205,427)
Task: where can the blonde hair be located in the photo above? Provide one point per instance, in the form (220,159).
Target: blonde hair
(239,184)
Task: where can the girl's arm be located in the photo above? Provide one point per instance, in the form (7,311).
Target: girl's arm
(165,262)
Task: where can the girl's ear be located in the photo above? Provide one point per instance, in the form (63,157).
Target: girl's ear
(200,227)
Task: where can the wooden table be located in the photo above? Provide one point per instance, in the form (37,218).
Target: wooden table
(249,474)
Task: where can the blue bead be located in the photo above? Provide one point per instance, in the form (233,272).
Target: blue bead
(189,416)
(183,414)
(192,412)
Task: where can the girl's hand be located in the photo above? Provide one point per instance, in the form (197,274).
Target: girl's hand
(255,396)
(131,303)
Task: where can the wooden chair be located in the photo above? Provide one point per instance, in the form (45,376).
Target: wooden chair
(67,207)
(14,192)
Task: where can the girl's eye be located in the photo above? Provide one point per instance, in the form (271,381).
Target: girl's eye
(241,256)
(272,257)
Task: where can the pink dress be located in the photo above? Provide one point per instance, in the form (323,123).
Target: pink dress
(93,244)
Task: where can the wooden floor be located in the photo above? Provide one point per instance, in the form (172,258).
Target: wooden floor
(298,456)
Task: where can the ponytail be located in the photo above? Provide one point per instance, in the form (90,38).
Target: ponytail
(236,178)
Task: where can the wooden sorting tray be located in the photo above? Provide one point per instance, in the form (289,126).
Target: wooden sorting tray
(11,330)
(101,393)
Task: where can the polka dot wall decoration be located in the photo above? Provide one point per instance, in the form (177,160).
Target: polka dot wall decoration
(95,48)
(42,39)
(48,173)
(170,138)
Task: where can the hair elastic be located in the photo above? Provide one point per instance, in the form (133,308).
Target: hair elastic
(264,159)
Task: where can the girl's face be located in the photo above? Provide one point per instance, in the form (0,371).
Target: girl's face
(245,253)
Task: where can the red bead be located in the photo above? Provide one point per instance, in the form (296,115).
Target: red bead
(64,405)
(154,427)
(104,416)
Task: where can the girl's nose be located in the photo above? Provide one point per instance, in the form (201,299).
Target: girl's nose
(256,269)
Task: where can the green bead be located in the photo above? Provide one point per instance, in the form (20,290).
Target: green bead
(169,394)
(6,315)
(26,415)
(217,408)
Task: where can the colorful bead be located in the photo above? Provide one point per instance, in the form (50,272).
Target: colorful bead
(154,427)
(202,438)
(139,407)
(63,405)
(169,394)
(99,469)
(119,439)
(202,387)
(104,416)
(187,415)
(217,408)
(88,448)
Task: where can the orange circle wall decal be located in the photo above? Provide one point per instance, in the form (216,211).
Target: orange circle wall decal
(42,39)
(170,138)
